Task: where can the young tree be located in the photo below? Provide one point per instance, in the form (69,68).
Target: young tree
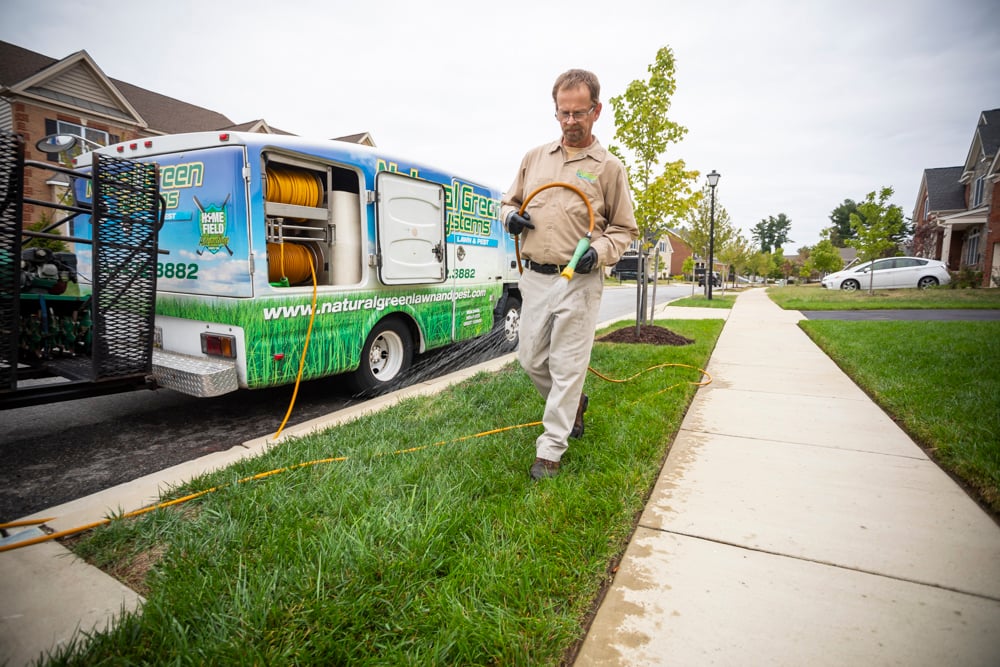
(875,225)
(688,268)
(771,233)
(825,258)
(662,191)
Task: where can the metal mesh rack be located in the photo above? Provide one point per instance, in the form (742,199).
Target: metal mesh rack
(11,195)
(125,225)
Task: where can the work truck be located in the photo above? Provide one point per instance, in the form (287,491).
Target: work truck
(245,261)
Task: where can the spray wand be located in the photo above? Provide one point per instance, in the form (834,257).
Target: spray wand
(581,248)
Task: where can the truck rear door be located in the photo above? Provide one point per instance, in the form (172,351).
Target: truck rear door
(411,230)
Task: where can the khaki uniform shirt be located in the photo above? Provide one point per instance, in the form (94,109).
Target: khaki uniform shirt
(560,215)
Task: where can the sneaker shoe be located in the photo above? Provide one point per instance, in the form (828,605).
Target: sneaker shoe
(578,423)
(543,468)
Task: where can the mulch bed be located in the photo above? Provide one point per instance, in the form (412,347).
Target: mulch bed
(649,334)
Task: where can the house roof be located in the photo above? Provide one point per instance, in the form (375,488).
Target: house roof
(360,138)
(989,131)
(848,254)
(985,142)
(17,64)
(167,115)
(259,126)
(945,191)
(161,114)
(679,235)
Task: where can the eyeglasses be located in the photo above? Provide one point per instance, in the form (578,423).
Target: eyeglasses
(564,116)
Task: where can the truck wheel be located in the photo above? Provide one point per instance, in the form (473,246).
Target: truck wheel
(385,357)
(506,327)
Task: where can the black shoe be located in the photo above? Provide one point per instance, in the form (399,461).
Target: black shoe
(578,424)
(543,468)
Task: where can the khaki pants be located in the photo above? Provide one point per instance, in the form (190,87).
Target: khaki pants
(558,320)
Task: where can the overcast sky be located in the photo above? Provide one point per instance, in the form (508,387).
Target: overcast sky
(799,104)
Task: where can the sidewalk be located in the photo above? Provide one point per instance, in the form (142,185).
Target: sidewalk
(794,523)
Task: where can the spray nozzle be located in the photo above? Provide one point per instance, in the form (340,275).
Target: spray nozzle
(581,248)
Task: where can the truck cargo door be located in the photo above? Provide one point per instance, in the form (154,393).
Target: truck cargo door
(411,230)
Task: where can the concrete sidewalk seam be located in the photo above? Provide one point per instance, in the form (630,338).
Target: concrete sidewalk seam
(907,457)
(874,573)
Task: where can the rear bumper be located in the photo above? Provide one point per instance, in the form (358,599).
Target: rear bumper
(193,375)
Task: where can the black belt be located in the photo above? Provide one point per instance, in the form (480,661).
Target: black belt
(548,269)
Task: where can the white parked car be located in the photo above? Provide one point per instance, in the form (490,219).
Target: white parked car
(890,273)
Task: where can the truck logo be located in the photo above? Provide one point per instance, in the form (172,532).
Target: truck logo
(212,221)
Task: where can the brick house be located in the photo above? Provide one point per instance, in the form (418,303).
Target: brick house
(40,96)
(957,212)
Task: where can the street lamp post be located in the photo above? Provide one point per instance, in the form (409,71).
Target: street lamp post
(713,180)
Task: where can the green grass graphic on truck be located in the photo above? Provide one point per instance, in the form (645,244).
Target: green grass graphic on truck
(277,326)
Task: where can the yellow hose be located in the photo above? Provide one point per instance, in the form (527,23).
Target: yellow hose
(293,261)
(302,358)
(337,459)
(293,186)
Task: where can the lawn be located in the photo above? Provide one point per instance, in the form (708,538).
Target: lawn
(701,301)
(814,297)
(939,380)
(409,537)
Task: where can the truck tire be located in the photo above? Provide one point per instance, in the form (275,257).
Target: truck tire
(504,336)
(385,357)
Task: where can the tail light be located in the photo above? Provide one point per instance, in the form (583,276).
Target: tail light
(218,345)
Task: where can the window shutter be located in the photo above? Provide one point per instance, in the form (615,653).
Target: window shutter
(50,128)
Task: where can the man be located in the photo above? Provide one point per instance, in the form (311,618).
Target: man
(558,317)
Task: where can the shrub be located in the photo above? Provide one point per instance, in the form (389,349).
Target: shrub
(965,278)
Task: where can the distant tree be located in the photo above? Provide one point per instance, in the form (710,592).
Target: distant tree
(876,226)
(925,240)
(788,267)
(41,225)
(760,264)
(840,231)
(772,232)
(777,262)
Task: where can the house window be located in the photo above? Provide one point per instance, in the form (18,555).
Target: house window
(972,248)
(978,190)
(63,127)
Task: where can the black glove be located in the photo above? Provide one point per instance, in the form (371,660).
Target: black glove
(517,222)
(587,261)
